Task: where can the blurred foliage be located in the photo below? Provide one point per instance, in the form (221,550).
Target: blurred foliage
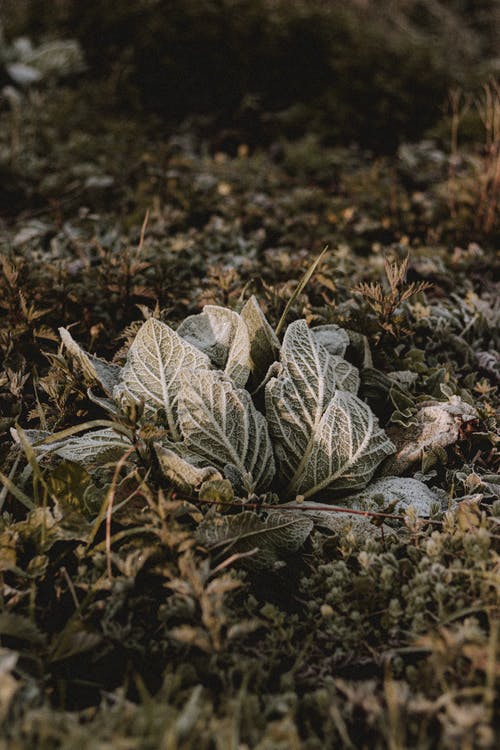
(372,72)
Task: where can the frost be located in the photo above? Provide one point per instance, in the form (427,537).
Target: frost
(220,423)
(324,438)
(437,425)
(154,362)
(223,336)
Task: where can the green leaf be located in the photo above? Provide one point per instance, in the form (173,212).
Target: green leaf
(97,370)
(279,534)
(73,640)
(154,361)
(21,628)
(223,336)
(220,424)
(264,344)
(68,482)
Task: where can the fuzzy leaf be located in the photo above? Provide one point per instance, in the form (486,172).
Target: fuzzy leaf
(401,492)
(92,449)
(300,395)
(264,344)
(333,338)
(97,370)
(220,424)
(344,449)
(154,362)
(346,375)
(281,533)
(324,438)
(184,474)
(223,336)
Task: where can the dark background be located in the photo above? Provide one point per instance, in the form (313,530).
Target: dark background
(358,70)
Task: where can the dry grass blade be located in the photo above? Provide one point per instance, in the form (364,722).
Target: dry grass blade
(300,287)
(16,492)
(82,428)
(110,497)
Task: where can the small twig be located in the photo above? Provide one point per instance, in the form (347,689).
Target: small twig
(232,559)
(70,587)
(5,488)
(143,234)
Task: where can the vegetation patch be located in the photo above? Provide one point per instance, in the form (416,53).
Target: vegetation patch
(249,488)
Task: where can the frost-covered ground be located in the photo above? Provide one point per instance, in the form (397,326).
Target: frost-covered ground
(141,615)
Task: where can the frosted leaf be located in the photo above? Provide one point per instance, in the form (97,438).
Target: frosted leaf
(223,336)
(264,344)
(91,450)
(341,524)
(154,362)
(220,424)
(332,337)
(346,375)
(280,533)
(402,491)
(297,399)
(344,449)
(324,438)
(97,370)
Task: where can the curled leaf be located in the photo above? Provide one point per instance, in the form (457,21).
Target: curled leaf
(97,370)
(264,344)
(435,425)
(184,474)
(223,336)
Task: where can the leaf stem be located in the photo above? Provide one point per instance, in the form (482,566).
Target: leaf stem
(305,507)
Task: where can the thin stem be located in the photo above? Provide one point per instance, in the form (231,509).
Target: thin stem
(305,507)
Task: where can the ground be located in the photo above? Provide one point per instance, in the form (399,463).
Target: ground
(131,633)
